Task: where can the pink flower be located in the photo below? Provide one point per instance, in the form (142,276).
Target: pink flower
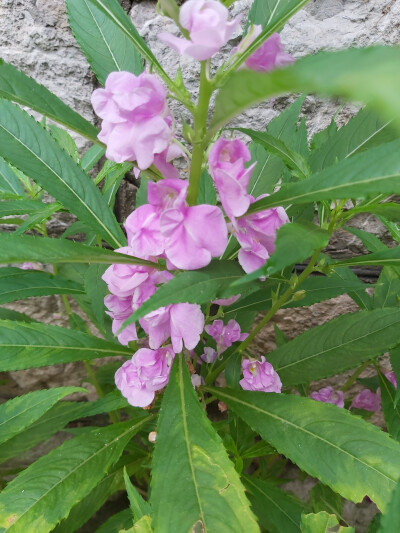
(143,232)
(231,178)
(227,301)
(120,309)
(193,235)
(392,378)
(148,371)
(167,194)
(329,395)
(256,234)
(122,280)
(225,335)
(259,376)
(367,400)
(163,160)
(208,27)
(209,355)
(30,266)
(268,56)
(135,117)
(182,322)
(196,380)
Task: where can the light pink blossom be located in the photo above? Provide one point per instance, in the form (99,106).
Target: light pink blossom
(367,400)
(123,279)
(143,232)
(147,372)
(163,160)
(120,309)
(329,395)
(208,26)
(225,335)
(167,194)
(182,322)
(259,376)
(226,162)
(135,118)
(31,266)
(227,301)
(209,355)
(193,235)
(196,380)
(268,56)
(392,378)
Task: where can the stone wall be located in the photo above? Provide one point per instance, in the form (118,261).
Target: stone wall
(35,37)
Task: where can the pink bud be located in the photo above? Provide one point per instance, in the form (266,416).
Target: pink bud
(329,395)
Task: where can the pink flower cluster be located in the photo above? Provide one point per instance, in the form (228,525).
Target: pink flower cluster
(259,376)
(256,233)
(225,335)
(136,121)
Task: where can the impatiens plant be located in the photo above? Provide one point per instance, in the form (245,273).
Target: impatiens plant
(230,226)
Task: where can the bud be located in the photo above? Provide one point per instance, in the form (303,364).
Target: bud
(298,295)
(152,436)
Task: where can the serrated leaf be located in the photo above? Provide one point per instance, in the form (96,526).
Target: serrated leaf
(96,289)
(369,240)
(42,249)
(276,510)
(105,45)
(20,88)
(65,475)
(207,193)
(16,284)
(39,217)
(65,140)
(361,298)
(20,207)
(390,521)
(199,487)
(368,75)
(9,182)
(325,499)
(295,162)
(92,156)
(139,506)
(315,436)
(142,526)
(116,522)
(10,314)
(389,210)
(364,131)
(22,411)
(374,171)
(390,257)
(27,145)
(322,523)
(391,409)
(33,345)
(340,344)
(194,286)
(272,14)
(387,290)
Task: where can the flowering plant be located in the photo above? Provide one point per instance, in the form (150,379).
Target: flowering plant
(229,223)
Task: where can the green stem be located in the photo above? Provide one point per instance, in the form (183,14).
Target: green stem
(199,142)
(355,375)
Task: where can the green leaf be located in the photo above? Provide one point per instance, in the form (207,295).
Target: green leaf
(113,180)
(116,522)
(374,171)
(27,145)
(276,510)
(389,210)
(364,131)
(272,14)
(117,16)
(369,240)
(9,182)
(20,88)
(387,290)
(199,487)
(346,275)
(325,499)
(65,140)
(390,521)
(20,207)
(367,75)
(42,249)
(390,257)
(20,412)
(295,162)
(65,475)
(92,156)
(39,217)
(322,523)
(16,284)
(391,409)
(207,193)
(138,505)
(340,344)
(395,362)
(316,436)
(294,243)
(10,314)
(96,289)
(142,526)
(193,286)
(33,345)
(105,45)
(323,136)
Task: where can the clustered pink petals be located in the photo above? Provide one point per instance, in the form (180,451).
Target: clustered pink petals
(329,395)
(136,120)
(259,376)
(225,335)
(147,372)
(208,26)
(367,400)
(268,56)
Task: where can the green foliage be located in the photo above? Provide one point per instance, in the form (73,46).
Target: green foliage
(200,487)
(33,345)
(322,522)
(390,521)
(389,257)
(315,435)
(65,475)
(391,409)
(276,510)
(338,345)
(25,144)
(138,505)
(105,45)
(9,182)
(207,192)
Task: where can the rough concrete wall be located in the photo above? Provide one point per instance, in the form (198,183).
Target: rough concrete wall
(35,37)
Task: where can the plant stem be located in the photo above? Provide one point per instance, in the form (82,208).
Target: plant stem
(355,375)
(199,142)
